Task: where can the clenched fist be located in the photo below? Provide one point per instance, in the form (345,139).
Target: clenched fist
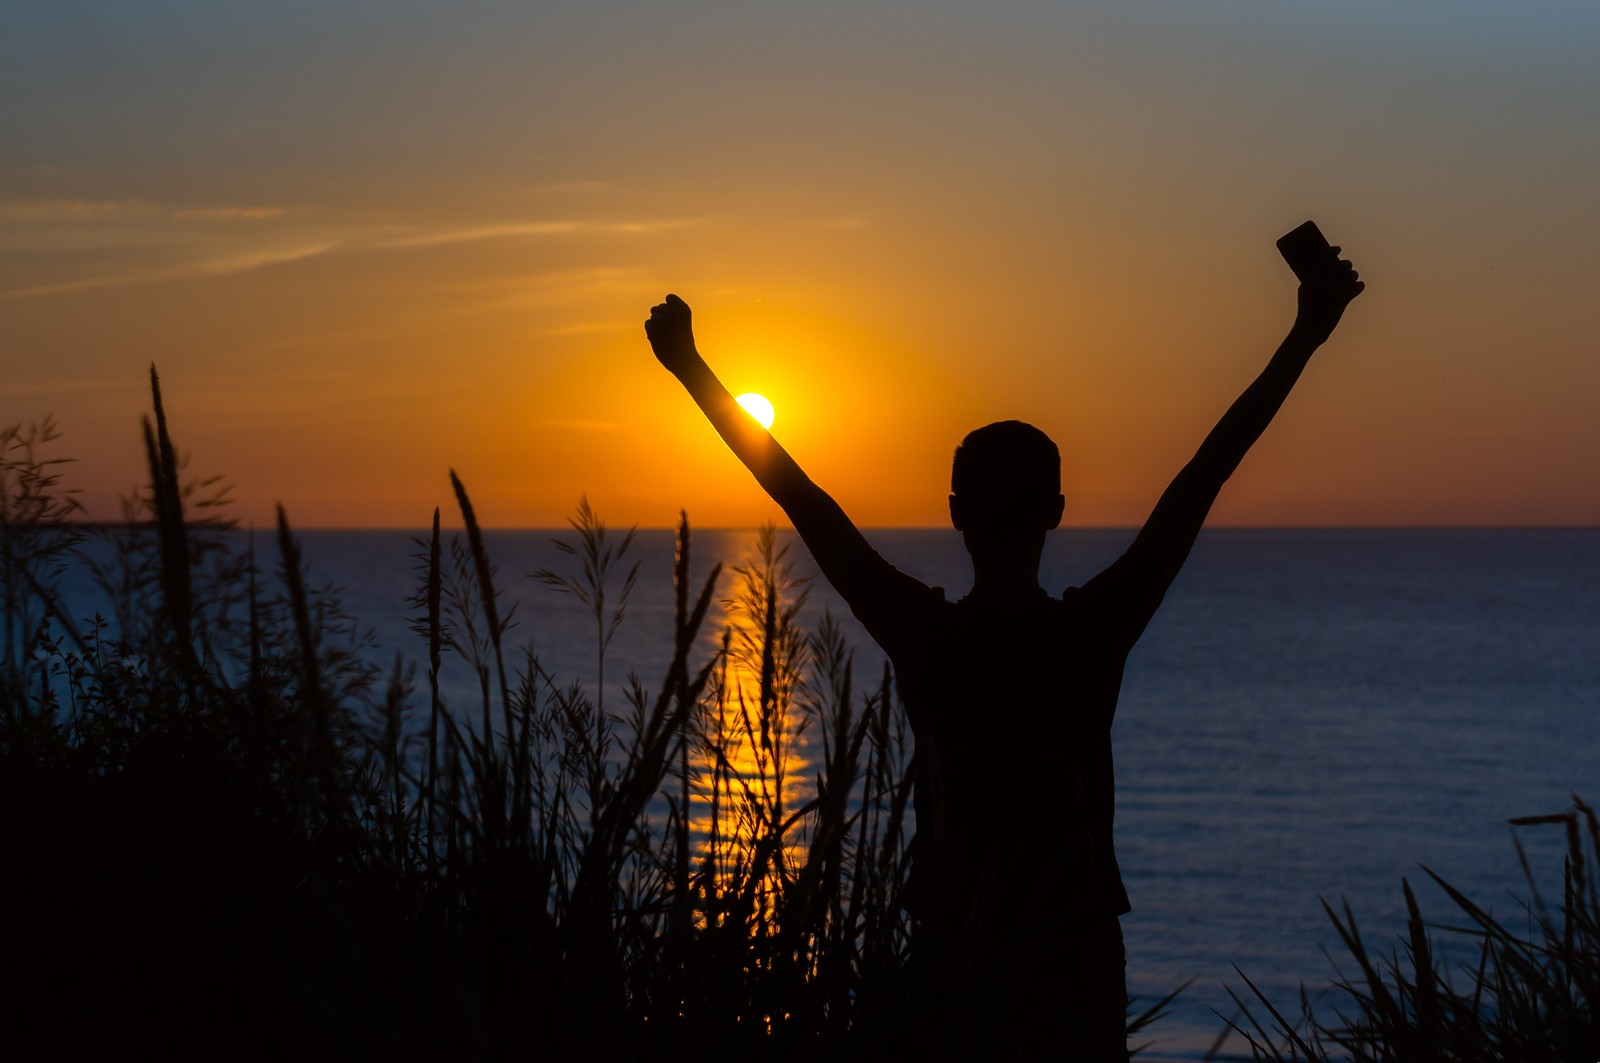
(670,333)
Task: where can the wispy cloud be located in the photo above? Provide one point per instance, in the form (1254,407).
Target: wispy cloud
(59,209)
(208,243)
(500,230)
(228,213)
(69,210)
(213,267)
(470,233)
(553,289)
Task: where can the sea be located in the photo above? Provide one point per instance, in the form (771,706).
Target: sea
(1312,717)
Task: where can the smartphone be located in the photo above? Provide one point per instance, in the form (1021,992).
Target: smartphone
(1303,247)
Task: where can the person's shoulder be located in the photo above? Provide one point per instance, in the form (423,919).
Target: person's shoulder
(1118,603)
(870,572)
(874,583)
(1138,565)
(894,607)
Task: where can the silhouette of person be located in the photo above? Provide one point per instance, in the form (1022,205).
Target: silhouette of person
(1010,691)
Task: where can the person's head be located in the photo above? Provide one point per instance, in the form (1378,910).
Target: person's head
(1005,484)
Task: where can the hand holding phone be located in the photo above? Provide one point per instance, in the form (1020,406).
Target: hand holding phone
(1327,283)
(1303,247)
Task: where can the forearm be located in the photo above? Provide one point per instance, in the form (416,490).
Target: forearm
(827,531)
(1252,411)
(777,473)
(1182,510)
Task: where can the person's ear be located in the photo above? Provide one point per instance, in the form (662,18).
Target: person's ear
(958,515)
(1057,508)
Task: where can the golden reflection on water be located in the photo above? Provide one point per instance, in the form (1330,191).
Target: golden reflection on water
(753,771)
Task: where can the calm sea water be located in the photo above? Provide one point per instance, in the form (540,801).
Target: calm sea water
(1311,714)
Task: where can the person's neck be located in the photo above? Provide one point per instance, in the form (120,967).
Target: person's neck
(1007,577)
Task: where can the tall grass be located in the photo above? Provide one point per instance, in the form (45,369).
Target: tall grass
(230,835)
(1530,992)
(37,541)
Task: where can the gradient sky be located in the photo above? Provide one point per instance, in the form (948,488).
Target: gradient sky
(367,242)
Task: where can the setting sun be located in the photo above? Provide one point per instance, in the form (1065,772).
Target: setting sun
(757,406)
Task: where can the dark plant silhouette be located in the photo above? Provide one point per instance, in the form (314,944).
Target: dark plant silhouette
(232,835)
(1531,991)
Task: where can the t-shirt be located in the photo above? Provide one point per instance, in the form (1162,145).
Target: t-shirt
(1011,707)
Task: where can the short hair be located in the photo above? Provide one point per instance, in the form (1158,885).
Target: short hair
(1006,468)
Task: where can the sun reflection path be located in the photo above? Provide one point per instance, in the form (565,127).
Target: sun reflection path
(754,769)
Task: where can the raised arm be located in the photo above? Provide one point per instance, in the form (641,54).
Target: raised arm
(833,540)
(1175,522)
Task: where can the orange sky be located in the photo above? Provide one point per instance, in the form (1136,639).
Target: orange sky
(367,246)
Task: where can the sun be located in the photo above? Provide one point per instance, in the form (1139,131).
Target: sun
(758,407)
